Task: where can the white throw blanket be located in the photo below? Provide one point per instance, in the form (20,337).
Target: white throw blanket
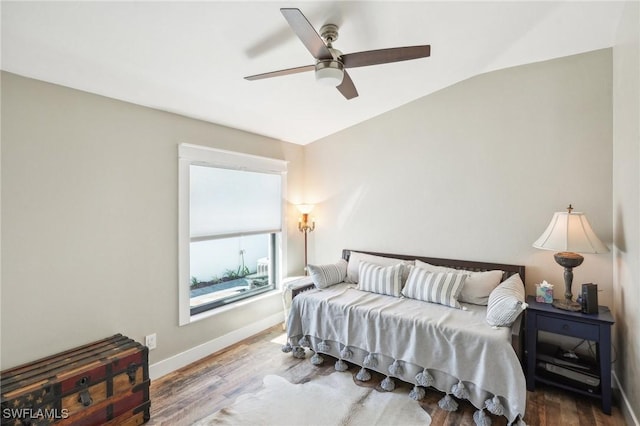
(409,335)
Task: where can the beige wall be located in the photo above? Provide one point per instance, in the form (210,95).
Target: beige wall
(626,206)
(475,171)
(89,221)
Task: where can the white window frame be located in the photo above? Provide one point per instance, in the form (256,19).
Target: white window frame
(189,154)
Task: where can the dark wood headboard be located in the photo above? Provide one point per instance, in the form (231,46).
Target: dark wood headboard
(450,263)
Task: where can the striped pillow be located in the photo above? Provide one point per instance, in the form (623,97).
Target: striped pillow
(436,287)
(506,302)
(380,279)
(324,276)
(478,285)
(356,257)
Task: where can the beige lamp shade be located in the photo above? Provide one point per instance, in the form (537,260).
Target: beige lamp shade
(570,232)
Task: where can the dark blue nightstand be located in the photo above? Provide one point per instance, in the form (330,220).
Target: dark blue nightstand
(592,327)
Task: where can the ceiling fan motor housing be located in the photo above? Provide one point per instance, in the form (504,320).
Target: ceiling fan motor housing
(329,33)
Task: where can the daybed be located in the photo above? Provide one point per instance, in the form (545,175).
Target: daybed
(447,324)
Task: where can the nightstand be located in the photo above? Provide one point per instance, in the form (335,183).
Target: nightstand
(592,327)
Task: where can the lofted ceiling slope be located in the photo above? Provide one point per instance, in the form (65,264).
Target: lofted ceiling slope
(190,57)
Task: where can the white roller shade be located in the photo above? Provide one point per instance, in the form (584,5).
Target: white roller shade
(233,202)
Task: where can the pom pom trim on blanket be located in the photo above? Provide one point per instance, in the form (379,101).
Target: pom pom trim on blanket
(363,375)
(417,393)
(324,346)
(494,406)
(388,384)
(341,365)
(481,418)
(345,353)
(447,403)
(460,391)
(317,359)
(370,361)
(395,369)
(423,379)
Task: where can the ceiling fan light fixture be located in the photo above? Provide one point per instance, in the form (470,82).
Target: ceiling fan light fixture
(329,73)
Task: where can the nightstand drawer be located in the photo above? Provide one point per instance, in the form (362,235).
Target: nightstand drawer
(569,328)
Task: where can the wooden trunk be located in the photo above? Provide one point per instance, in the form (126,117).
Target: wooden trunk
(104,382)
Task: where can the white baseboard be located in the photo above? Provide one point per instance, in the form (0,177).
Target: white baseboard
(625,401)
(187,357)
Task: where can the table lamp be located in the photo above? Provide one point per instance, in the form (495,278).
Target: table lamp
(569,233)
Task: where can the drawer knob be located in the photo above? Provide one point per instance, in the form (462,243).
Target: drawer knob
(565,326)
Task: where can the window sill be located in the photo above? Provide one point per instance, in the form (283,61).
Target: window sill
(232,306)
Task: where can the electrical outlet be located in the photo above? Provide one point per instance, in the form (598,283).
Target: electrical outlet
(150,341)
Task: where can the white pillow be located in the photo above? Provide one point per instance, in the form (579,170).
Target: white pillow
(380,279)
(436,287)
(324,276)
(476,288)
(506,302)
(355,257)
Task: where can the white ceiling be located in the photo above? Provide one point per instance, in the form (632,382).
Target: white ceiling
(190,58)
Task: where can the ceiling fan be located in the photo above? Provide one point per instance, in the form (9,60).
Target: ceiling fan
(331,64)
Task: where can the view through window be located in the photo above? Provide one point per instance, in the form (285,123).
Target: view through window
(234,230)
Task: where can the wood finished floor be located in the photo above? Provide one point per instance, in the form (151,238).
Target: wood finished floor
(193,392)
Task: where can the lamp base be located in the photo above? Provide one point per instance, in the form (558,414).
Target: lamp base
(567,305)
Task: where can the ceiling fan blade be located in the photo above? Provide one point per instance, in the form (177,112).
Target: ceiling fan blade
(383,56)
(281,72)
(347,88)
(307,34)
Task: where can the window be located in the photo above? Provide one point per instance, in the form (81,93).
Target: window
(230,225)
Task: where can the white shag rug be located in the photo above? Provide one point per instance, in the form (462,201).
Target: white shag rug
(324,401)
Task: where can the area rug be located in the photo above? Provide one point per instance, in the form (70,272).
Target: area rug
(324,401)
